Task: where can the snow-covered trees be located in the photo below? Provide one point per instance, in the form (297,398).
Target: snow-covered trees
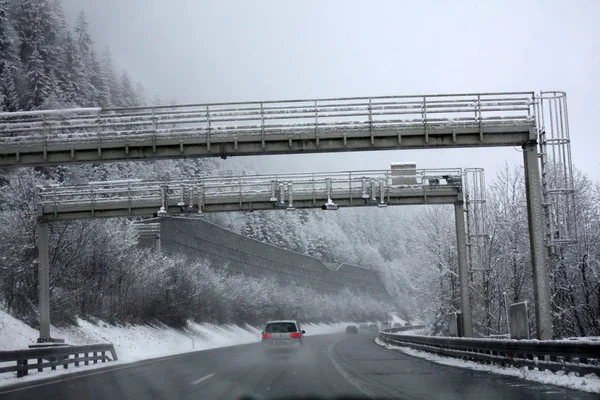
(18,273)
(5,42)
(9,97)
(108,76)
(43,64)
(82,36)
(503,275)
(96,269)
(127,95)
(574,269)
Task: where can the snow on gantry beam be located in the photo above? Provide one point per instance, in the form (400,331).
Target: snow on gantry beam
(247,193)
(268,127)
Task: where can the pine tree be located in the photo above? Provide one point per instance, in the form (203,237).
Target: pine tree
(140,94)
(9,97)
(109,79)
(39,28)
(56,97)
(71,71)
(59,15)
(27,29)
(5,42)
(100,94)
(82,36)
(38,80)
(127,95)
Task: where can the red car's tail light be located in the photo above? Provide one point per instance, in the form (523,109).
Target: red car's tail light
(296,335)
(267,336)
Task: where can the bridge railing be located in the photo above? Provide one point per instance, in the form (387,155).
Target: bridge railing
(553,355)
(278,188)
(52,357)
(266,118)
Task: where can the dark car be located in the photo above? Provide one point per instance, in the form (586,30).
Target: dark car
(351,329)
(373,328)
(363,327)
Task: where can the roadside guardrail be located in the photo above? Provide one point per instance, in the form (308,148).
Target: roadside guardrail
(51,357)
(582,357)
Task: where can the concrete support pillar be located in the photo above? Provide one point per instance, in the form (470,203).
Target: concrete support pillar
(463,271)
(43,281)
(535,215)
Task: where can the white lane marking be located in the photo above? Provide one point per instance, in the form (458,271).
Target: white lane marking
(202,379)
(346,376)
(68,377)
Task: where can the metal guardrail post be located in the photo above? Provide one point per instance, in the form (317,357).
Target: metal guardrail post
(290,195)
(201,198)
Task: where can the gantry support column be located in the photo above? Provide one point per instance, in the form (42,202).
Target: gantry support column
(43,281)
(463,271)
(535,216)
(157,244)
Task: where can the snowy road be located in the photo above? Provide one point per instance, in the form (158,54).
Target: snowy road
(330,365)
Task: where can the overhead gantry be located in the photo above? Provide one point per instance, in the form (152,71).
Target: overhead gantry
(402,185)
(249,193)
(267,127)
(471,120)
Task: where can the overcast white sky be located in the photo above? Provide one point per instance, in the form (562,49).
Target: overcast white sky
(209,51)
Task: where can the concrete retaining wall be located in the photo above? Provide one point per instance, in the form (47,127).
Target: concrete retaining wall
(199,239)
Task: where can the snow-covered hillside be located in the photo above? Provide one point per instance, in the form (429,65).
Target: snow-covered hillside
(139,342)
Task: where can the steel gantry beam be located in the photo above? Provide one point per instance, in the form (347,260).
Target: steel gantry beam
(267,127)
(249,193)
(326,191)
(295,127)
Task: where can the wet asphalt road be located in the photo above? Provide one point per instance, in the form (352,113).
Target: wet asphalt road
(330,366)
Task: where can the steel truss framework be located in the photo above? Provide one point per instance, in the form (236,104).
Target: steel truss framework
(194,197)
(267,127)
(523,119)
(248,193)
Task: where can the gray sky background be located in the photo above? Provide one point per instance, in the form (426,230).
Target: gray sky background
(210,51)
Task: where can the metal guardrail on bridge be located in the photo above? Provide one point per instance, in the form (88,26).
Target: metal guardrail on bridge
(554,355)
(267,127)
(252,192)
(52,357)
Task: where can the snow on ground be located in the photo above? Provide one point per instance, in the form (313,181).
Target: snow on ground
(589,383)
(135,342)
(423,331)
(323,329)
(14,334)
(396,319)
